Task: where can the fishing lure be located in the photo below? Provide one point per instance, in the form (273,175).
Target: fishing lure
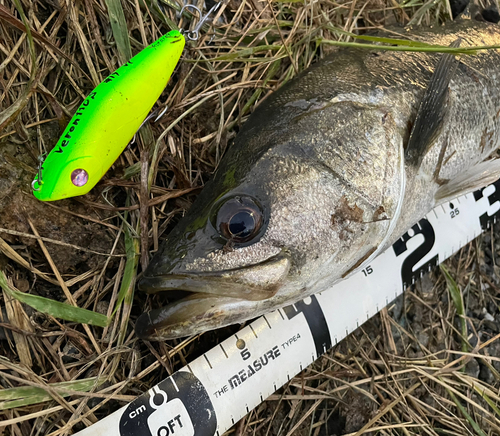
(108,119)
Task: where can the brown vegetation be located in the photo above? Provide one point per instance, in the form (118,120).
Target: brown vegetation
(407,371)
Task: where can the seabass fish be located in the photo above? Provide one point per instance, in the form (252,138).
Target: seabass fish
(328,171)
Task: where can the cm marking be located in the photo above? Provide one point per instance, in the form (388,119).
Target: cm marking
(137,411)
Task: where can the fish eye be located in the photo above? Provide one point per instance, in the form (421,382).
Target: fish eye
(79,177)
(239,219)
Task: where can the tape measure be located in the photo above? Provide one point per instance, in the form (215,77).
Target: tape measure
(213,392)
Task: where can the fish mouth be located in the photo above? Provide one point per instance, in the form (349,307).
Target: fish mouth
(217,298)
(194,314)
(254,282)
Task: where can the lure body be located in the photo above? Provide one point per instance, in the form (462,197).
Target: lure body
(107,120)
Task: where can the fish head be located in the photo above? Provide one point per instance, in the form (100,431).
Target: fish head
(63,178)
(220,247)
(281,216)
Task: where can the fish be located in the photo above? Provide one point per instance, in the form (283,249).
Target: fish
(329,171)
(106,121)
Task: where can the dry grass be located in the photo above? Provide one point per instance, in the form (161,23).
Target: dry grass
(408,371)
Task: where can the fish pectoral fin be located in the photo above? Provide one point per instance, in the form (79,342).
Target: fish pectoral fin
(432,110)
(474,178)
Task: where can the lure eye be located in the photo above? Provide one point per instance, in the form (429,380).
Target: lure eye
(79,177)
(239,219)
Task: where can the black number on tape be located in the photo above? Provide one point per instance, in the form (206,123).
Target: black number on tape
(316,321)
(485,219)
(400,246)
(177,406)
(245,354)
(367,271)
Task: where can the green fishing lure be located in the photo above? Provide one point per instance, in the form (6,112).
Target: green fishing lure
(107,120)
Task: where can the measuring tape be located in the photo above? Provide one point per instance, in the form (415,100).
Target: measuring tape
(208,396)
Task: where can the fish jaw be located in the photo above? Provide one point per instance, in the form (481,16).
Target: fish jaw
(255,282)
(192,315)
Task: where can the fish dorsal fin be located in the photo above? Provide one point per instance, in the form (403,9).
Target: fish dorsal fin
(432,110)
(474,178)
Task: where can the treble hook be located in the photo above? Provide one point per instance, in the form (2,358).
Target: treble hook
(149,117)
(41,158)
(194,34)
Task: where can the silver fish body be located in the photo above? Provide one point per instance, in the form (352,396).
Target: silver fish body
(321,179)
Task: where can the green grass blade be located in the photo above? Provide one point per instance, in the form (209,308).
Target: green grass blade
(27,395)
(408,47)
(131,171)
(385,40)
(455,293)
(246,52)
(158,11)
(398,45)
(29,36)
(272,72)
(120,31)
(130,271)
(54,308)
(422,11)
(126,294)
(486,398)
(466,415)
(456,296)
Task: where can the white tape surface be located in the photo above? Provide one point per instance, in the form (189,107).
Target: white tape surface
(214,391)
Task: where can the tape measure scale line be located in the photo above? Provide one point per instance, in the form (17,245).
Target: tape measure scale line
(217,389)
